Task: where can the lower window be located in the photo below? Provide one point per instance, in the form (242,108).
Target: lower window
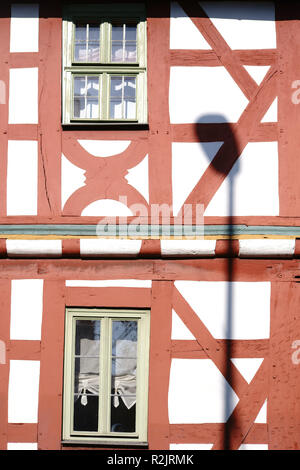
(106,376)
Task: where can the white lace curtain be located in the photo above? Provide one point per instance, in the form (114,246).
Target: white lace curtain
(123,372)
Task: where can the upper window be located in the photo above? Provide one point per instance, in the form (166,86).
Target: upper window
(104,64)
(106,376)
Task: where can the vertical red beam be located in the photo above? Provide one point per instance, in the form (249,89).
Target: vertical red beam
(49,128)
(160,145)
(51,372)
(160,361)
(284,379)
(288,46)
(4,96)
(4,362)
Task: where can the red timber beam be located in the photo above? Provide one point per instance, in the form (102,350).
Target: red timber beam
(284,376)
(51,372)
(4,360)
(288,47)
(160,363)
(49,126)
(216,269)
(160,143)
(4,94)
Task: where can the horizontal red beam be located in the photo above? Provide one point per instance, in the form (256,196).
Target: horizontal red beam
(235,348)
(108,297)
(213,132)
(207,433)
(197,269)
(24,349)
(22,432)
(209,58)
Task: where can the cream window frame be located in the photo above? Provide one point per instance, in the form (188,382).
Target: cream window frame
(103,435)
(106,15)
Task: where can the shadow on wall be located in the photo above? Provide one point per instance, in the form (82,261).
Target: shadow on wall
(223,164)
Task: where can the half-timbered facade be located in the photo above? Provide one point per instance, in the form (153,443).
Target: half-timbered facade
(149,225)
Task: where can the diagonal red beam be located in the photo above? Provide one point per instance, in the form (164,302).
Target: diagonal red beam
(242,418)
(232,148)
(224,53)
(214,349)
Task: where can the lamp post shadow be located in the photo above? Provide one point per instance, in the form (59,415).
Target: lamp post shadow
(217,125)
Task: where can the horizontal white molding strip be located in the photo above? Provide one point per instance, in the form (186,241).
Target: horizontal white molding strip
(267,248)
(109,283)
(33,248)
(188,247)
(167,248)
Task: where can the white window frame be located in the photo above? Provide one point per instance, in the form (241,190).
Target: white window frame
(106,15)
(139,437)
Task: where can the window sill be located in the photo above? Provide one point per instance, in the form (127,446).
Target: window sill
(105,125)
(104,443)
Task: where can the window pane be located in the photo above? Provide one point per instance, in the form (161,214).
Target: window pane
(130,52)
(116,109)
(86,417)
(87,43)
(86,376)
(92,108)
(124,338)
(79,86)
(122,417)
(129,109)
(79,107)
(116,87)
(94,33)
(130,33)
(93,52)
(124,363)
(123,47)
(86,97)
(117,52)
(80,33)
(93,86)
(80,53)
(129,87)
(117,33)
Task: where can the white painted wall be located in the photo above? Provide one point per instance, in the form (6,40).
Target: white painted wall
(107,208)
(24,28)
(236,310)
(204,94)
(22,177)
(26,309)
(251,188)
(191,446)
(244,25)
(138,177)
(104,148)
(72,178)
(23,391)
(248,366)
(22,446)
(189,162)
(197,392)
(179,329)
(183,33)
(23,96)
(253,447)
